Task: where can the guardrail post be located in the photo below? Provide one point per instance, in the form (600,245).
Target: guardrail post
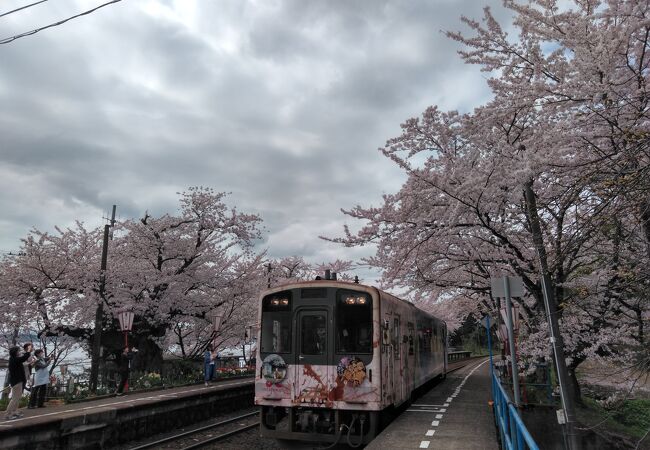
(512,430)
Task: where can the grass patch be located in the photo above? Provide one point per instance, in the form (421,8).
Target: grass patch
(628,417)
(5,402)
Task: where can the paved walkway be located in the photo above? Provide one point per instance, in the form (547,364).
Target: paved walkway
(453,415)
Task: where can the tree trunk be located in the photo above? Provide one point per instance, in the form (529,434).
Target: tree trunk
(645,223)
(5,391)
(148,358)
(575,384)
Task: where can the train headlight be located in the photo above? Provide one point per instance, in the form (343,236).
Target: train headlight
(284,301)
(354,300)
(275,302)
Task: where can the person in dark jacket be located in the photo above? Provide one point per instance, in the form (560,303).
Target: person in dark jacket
(17,379)
(124,366)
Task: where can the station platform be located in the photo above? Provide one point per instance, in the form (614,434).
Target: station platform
(453,415)
(117,419)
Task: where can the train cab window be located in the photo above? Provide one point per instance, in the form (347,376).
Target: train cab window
(276,323)
(353,322)
(313,329)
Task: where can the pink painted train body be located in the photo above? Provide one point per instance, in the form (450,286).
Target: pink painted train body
(334,356)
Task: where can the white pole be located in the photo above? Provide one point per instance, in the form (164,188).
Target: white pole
(511,340)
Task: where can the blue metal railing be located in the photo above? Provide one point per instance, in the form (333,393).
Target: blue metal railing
(514,435)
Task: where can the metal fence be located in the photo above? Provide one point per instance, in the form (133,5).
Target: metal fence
(513,433)
(457,356)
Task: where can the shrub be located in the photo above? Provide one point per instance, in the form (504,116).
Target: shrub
(148,380)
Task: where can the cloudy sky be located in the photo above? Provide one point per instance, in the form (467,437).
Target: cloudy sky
(282,103)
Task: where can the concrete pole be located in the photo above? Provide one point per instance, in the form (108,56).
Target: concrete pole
(99,312)
(560,364)
(511,341)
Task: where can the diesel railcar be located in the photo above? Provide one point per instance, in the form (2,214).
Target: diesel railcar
(333,355)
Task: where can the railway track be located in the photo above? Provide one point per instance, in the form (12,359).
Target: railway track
(175,440)
(191,439)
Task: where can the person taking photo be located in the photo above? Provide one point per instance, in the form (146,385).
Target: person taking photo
(17,378)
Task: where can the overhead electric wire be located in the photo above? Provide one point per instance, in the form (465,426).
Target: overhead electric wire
(60,22)
(21,8)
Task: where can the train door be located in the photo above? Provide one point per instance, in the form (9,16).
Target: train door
(409,359)
(400,388)
(313,354)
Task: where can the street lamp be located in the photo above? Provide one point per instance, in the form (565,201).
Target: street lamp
(126,324)
(216,321)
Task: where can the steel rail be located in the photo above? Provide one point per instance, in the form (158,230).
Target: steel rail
(221,436)
(178,436)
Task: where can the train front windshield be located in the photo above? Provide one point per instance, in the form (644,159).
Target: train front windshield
(276,324)
(353,322)
(298,323)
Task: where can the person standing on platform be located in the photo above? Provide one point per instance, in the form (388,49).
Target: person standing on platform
(124,366)
(17,379)
(208,364)
(41,378)
(27,365)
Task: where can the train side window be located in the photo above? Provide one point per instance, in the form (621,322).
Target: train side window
(396,335)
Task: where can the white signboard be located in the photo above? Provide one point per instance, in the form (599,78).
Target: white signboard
(516,286)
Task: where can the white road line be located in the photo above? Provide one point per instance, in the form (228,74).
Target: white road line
(422,410)
(439,416)
(449,399)
(430,432)
(425,444)
(435,423)
(419,404)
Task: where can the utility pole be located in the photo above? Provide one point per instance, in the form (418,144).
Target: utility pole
(558,352)
(550,305)
(99,313)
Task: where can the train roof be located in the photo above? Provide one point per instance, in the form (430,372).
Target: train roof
(344,285)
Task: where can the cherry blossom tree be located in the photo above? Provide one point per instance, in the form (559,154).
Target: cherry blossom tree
(548,177)
(175,271)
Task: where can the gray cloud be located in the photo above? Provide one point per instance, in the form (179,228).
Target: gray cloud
(282,103)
